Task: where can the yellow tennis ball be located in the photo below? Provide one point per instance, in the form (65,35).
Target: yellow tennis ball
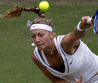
(44,5)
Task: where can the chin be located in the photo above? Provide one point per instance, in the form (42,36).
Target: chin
(40,48)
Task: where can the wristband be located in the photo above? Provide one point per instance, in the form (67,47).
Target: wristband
(78,28)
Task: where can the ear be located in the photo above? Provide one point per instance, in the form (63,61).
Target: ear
(51,34)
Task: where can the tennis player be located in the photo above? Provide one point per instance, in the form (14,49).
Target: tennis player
(62,59)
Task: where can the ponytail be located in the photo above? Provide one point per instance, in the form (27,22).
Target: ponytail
(17,10)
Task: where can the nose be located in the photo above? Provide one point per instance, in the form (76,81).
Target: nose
(37,39)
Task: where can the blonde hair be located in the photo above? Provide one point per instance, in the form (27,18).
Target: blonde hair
(17,11)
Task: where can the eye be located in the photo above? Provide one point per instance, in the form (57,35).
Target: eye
(41,35)
(33,36)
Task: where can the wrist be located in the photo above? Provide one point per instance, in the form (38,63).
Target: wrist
(78,27)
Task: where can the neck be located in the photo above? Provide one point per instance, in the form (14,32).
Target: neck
(51,48)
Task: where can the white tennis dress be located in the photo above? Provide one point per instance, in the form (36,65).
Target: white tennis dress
(82,63)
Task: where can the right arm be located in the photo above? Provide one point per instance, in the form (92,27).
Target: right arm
(53,78)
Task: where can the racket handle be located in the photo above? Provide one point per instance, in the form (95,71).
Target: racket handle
(89,21)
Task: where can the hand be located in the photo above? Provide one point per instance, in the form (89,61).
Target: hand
(84,24)
(78,80)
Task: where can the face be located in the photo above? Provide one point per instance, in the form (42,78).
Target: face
(41,38)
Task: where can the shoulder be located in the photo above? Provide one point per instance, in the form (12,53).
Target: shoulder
(69,40)
(69,43)
(60,38)
(33,57)
(35,60)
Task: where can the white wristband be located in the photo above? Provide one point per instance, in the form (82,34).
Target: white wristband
(78,28)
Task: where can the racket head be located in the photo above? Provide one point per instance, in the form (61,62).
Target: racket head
(95,25)
(95,22)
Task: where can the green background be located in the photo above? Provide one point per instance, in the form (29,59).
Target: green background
(16,65)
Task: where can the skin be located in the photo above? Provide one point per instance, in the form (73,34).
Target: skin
(44,40)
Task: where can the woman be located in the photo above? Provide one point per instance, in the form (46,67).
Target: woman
(64,58)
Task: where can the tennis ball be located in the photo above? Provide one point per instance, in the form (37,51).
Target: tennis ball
(44,5)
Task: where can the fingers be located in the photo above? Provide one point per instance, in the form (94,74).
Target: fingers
(81,79)
(78,80)
(84,24)
(84,19)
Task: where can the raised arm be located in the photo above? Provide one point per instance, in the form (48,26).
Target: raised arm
(71,41)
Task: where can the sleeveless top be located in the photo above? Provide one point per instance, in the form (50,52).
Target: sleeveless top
(82,63)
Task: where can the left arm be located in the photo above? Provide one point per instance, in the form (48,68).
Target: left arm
(71,41)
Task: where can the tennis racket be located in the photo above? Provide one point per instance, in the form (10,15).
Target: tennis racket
(94,20)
